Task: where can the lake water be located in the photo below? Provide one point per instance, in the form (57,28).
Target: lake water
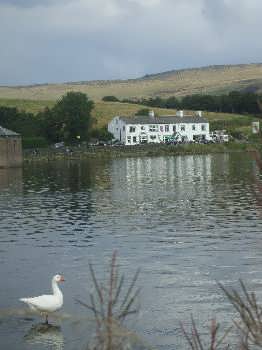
(186,221)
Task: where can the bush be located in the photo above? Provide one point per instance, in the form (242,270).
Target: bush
(101,134)
(34,142)
(110,99)
(143,111)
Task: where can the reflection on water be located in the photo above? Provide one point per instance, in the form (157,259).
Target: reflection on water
(68,176)
(186,221)
(45,335)
(11,180)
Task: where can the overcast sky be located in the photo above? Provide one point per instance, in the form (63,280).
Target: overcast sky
(71,40)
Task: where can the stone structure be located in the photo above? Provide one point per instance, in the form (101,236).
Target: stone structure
(10,149)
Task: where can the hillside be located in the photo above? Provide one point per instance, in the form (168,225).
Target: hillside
(212,79)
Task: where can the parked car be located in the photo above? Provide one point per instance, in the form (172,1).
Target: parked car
(101,143)
(59,145)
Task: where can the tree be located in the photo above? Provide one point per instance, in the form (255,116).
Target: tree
(71,118)
(172,102)
(102,134)
(143,111)
(19,121)
(50,126)
(110,99)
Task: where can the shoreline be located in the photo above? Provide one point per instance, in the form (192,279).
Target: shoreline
(81,153)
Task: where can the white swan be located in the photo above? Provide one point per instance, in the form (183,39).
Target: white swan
(46,304)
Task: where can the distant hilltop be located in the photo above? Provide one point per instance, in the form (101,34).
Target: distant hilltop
(216,79)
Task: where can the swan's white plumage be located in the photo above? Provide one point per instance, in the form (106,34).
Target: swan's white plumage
(47,303)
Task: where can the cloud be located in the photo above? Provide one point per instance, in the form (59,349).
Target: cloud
(62,40)
(31,3)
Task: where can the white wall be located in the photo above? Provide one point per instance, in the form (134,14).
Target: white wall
(117,127)
(124,133)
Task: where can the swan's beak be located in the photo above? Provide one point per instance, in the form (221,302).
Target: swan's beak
(62,279)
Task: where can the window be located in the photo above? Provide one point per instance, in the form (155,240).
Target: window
(174,128)
(193,127)
(203,127)
(183,128)
(153,137)
(128,139)
(153,128)
(132,128)
(134,139)
(143,127)
(161,128)
(124,128)
(166,128)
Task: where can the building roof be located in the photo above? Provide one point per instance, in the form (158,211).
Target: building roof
(7,133)
(166,119)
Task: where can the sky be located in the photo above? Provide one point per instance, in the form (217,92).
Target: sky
(48,41)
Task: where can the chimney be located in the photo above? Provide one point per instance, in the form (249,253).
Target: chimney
(151,114)
(199,113)
(180,114)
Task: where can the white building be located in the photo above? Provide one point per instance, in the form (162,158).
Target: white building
(152,129)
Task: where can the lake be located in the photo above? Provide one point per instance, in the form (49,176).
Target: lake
(186,221)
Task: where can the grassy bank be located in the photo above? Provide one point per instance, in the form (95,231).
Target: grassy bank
(137,151)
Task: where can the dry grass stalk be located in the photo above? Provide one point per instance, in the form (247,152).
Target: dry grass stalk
(195,342)
(250,312)
(111,305)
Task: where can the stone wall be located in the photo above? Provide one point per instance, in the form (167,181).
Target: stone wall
(10,151)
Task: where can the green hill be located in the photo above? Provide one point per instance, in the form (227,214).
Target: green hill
(212,80)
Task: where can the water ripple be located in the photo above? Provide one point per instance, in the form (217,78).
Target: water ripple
(188,222)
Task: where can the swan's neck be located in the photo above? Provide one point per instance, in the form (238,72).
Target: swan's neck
(56,290)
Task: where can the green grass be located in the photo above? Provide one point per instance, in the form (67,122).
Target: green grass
(32,106)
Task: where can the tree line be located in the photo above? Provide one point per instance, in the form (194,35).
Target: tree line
(233,102)
(69,120)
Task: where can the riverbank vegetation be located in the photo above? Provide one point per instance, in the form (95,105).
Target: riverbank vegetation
(75,118)
(42,123)
(152,150)
(68,120)
(111,303)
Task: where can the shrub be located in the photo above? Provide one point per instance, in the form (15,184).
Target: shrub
(101,134)
(143,111)
(111,303)
(110,99)
(34,142)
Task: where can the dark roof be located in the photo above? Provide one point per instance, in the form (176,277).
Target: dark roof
(7,133)
(165,119)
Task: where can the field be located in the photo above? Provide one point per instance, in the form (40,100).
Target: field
(32,106)
(212,79)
